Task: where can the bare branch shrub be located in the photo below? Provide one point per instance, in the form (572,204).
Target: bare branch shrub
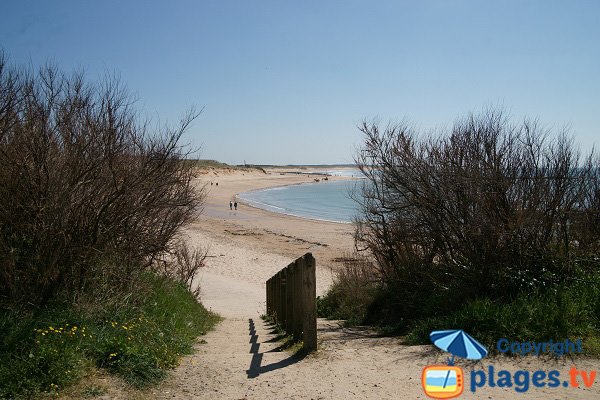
(85,185)
(489,208)
(352,289)
(183,265)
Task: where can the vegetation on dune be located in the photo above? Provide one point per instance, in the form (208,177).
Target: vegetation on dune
(570,311)
(138,337)
(212,164)
(204,164)
(492,227)
(92,268)
(354,288)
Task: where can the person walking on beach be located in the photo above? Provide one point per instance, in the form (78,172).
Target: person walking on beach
(230,205)
(235,205)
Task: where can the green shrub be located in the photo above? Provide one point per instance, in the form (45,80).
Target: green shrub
(136,338)
(568,312)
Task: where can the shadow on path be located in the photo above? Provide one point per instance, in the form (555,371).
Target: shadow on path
(255,365)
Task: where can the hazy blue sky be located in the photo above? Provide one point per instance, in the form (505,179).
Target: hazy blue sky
(288,81)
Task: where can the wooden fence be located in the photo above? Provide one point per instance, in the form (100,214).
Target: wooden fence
(291,300)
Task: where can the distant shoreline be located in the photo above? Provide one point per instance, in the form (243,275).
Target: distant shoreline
(270,208)
(265,232)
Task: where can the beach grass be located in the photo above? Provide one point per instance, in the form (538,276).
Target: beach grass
(209,164)
(137,339)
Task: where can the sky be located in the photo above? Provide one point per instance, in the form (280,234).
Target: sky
(287,82)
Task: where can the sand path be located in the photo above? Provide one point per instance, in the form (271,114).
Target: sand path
(241,359)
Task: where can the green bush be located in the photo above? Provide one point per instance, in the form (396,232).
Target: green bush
(45,360)
(137,339)
(567,312)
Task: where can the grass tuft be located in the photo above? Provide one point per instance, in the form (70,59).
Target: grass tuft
(351,293)
(138,341)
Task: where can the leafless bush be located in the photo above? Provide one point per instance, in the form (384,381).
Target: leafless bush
(352,290)
(83,180)
(356,271)
(183,266)
(489,208)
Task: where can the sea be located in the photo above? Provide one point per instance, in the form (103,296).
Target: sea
(324,201)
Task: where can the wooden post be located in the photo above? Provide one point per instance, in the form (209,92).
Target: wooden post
(272,302)
(275,292)
(269,297)
(272,311)
(279,302)
(290,299)
(284,298)
(297,288)
(309,303)
(278,298)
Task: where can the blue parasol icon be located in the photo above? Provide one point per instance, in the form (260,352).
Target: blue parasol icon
(458,343)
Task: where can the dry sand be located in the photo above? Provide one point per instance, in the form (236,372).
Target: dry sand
(241,360)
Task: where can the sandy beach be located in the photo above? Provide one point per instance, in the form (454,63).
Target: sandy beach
(248,245)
